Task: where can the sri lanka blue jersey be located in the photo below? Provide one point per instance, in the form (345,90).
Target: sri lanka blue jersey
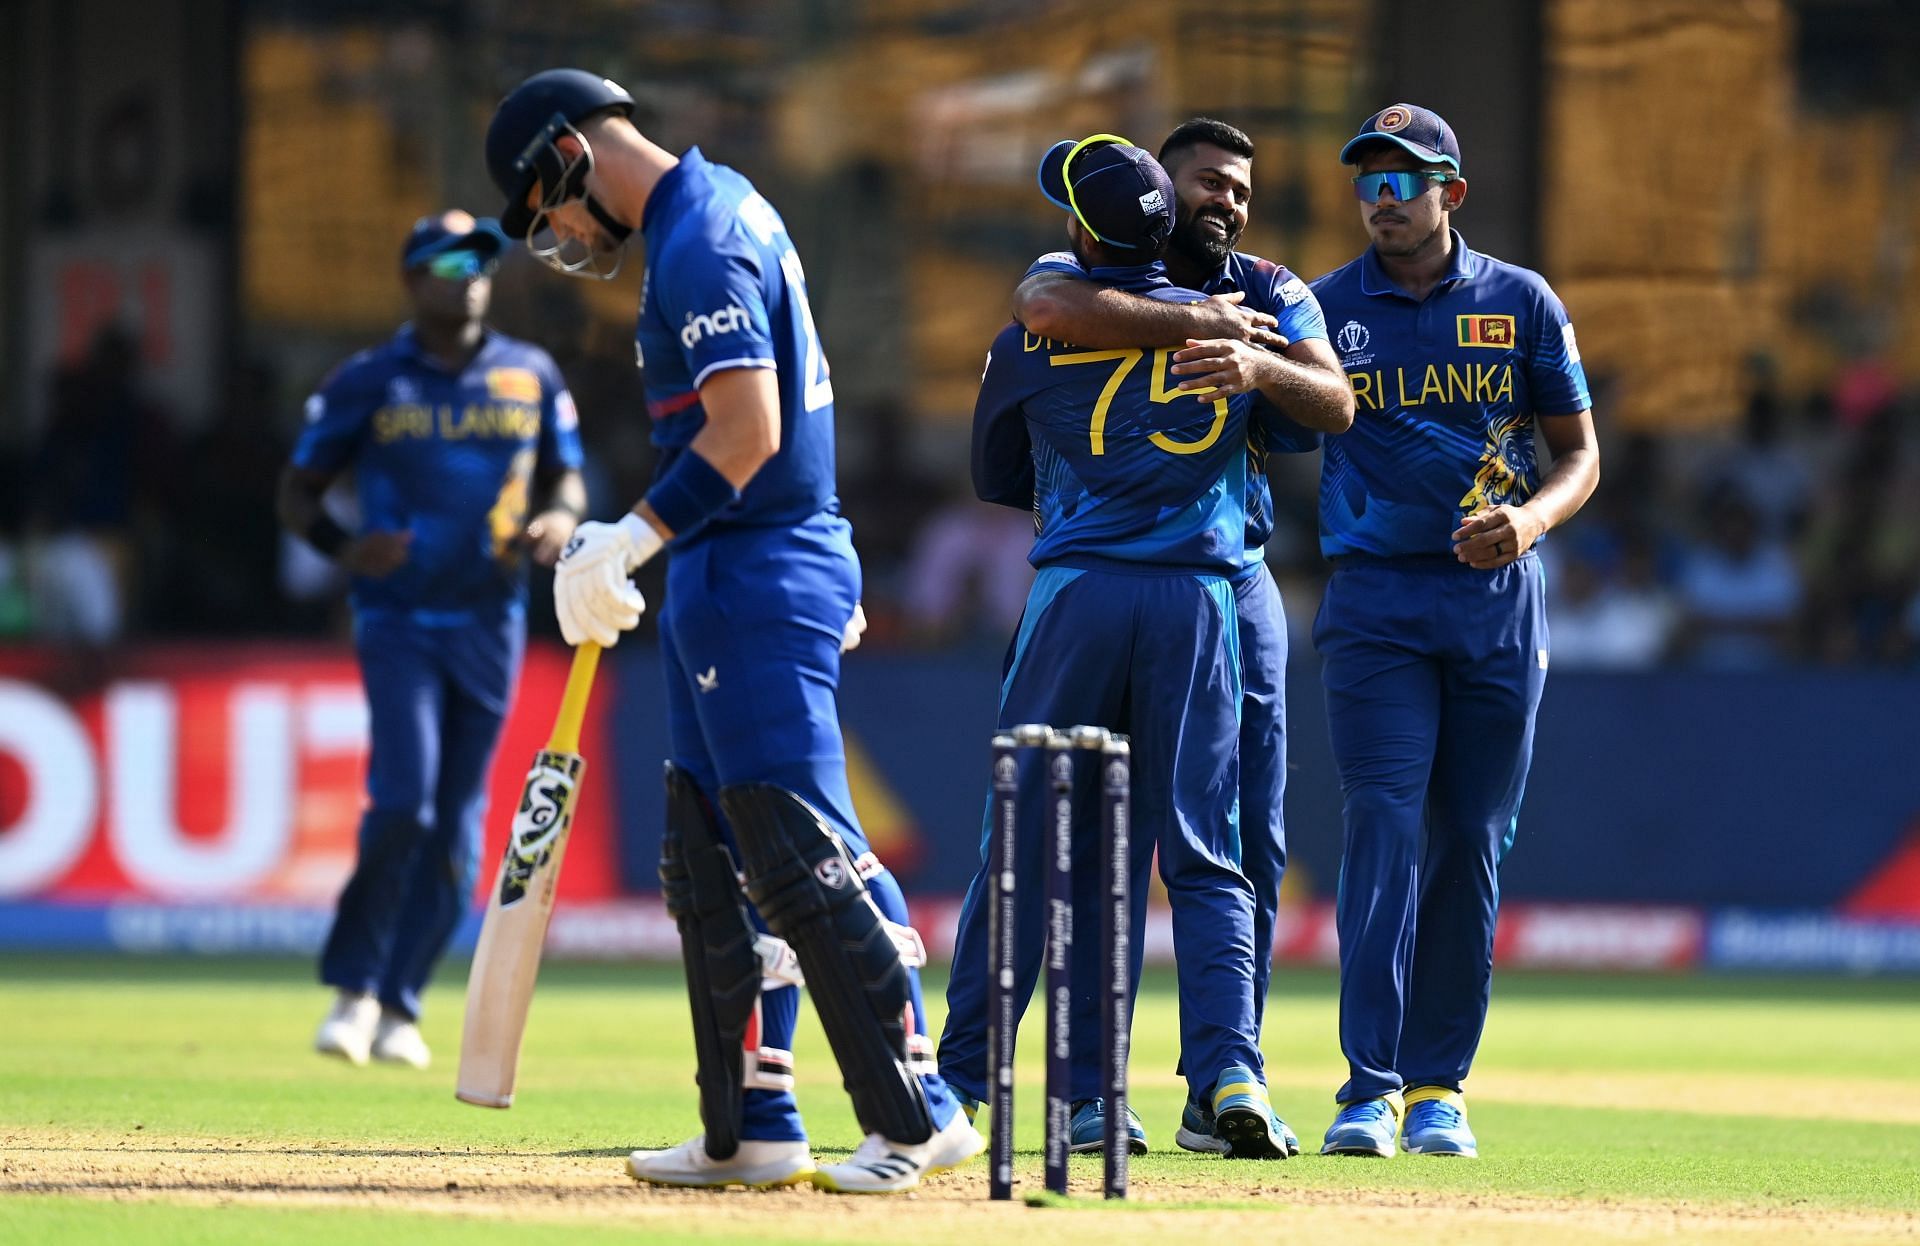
(1269,288)
(724,289)
(1445,394)
(448,456)
(1127,468)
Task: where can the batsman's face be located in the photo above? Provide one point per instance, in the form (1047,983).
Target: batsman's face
(1407,228)
(1215,191)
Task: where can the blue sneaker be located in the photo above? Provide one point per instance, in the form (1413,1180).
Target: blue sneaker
(1437,1123)
(1243,1117)
(1366,1127)
(1087,1128)
(1196,1132)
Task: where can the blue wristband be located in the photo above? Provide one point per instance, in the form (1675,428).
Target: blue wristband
(690,493)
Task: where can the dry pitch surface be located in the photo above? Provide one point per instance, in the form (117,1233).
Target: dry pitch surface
(386,1143)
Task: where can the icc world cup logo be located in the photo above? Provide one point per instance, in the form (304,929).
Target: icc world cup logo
(1352,338)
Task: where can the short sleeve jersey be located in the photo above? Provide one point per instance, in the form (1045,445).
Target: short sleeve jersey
(1126,468)
(448,456)
(1269,288)
(1446,390)
(724,289)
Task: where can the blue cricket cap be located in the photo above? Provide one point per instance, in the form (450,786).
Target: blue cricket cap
(1118,191)
(453,230)
(1419,130)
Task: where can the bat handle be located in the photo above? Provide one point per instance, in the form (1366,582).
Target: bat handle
(573,702)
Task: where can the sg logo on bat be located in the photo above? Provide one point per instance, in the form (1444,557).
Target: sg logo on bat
(546,808)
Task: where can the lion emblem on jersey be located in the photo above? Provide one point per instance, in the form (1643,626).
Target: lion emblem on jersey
(1505,465)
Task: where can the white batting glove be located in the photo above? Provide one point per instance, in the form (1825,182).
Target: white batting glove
(856,628)
(592,596)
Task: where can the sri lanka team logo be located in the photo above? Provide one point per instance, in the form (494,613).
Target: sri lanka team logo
(512,385)
(1395,118)
(1494,331)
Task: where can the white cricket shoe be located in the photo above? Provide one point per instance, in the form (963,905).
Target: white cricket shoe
(397,1040)
(348,1030)
(757,1164)
(883,1167)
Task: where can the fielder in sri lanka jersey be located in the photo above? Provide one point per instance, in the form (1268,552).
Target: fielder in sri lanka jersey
(1139,491)
(763,594)
(1211,165)
(1433,630)
(449,429)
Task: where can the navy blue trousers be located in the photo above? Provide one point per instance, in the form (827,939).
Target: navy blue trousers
(437,696)
(1155,656)
(1433,671)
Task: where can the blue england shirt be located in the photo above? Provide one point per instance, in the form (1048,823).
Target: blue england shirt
(1126,468)
(449,456)
(1445,391)
(1269,288)
(724,289)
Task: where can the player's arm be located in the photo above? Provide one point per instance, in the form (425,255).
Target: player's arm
(1495,537)
(1303,381)
(563,504)
(1002,458)
(1558,384)
(301,512)
(1070,308)
(560,493)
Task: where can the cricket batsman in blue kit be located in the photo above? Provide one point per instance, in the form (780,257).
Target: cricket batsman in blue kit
(1139,491)
(1211,165)
(450,431)
(763,592)
(1433,629)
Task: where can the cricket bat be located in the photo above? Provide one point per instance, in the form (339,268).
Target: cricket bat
(507,959)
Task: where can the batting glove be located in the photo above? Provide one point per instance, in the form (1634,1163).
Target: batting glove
(592,595)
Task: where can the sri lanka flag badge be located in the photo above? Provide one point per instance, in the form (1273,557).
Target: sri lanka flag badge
(1494,331)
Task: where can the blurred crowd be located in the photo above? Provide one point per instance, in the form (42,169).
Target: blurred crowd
(1793,539)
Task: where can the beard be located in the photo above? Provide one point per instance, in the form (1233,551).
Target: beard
(1200,244)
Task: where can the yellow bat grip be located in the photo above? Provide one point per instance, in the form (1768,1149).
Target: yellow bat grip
(573,702)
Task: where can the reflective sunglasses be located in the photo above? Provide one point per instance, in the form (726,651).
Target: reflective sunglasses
(460,265)
(1405,186)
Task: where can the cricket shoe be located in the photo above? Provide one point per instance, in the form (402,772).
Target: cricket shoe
(1366,1127)
(760,1165)
(396,1040)
(883,1167)
(1196,1132)
(1087,1128)
(348,1030)
(1437,1123)
(1243,1117)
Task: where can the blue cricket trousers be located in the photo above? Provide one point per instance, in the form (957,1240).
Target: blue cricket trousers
(1433,671)
(437,696)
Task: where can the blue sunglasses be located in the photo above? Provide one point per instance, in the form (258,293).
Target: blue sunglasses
(1405,186)
(460,265)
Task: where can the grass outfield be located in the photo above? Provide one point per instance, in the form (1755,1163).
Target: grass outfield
(173,1101)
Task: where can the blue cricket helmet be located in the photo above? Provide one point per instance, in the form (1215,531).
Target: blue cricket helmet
(520,150)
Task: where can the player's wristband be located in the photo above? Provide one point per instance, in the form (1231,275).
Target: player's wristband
(327,536)
(691,492)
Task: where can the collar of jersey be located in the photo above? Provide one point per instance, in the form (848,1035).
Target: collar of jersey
(407,343)
(668,187)
(1375,282)
(1133,276)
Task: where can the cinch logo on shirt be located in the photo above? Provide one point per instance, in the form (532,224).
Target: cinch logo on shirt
(1494,331)
(512,385)
(729,319)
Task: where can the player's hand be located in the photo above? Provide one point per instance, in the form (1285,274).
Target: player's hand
(1490,539)
(377,555)
(548,534)
(856,628)
(1230,319)
(592,596)
(1219,368)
